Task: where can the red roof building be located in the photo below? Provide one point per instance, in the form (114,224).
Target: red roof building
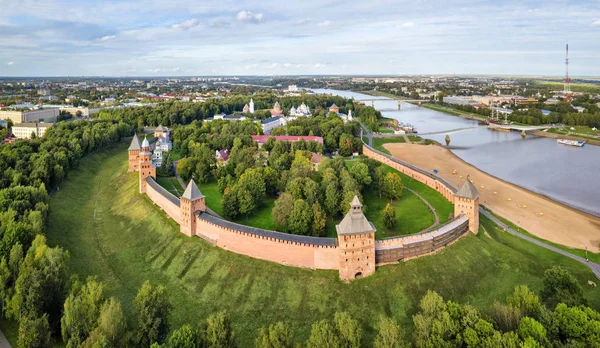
(261,139)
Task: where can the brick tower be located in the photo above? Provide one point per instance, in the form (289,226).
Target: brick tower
(145,167)
(190,202)
(356,239)
(466,201)
(134,154)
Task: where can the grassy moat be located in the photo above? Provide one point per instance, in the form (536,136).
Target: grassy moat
(117,234)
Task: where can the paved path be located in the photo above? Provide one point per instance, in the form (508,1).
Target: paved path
(435,215)
(369,135)
(3,341)
(594,266)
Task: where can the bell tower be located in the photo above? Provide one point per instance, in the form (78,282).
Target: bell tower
(466,201)
(145,167)
(134,154)
(356,239)
(190,202)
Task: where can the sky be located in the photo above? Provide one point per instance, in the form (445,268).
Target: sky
(297,37)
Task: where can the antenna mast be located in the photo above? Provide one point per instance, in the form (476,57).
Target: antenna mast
(567,79)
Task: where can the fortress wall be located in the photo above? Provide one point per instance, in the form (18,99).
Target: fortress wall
(392,250)
(290,251)
(419,174)
(164,199)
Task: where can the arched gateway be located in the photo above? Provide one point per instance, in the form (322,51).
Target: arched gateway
(354,253)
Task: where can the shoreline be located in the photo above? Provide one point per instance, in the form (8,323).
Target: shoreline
(541,216)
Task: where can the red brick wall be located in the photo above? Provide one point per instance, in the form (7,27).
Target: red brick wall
(287,253)
(427,180)
(171,209)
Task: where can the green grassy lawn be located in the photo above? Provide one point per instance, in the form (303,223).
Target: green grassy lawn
(168,183)
(115,233)
(575,87)
(379,94)
(594,257)
(384,130)
(213,196)
(378,142)
(451,111)
(580,131)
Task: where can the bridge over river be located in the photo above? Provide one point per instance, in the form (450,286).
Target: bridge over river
(517,128)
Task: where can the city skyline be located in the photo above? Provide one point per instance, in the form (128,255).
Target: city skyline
(176,38)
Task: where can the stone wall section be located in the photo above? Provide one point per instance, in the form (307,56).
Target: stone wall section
(164,199)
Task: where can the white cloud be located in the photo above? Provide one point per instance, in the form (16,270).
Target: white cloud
(324,23)
(107,38)
(319,65)
(532,10)
(10,63)
(302,21)
(186,25)
(596,23)
(249,17)
(408,25)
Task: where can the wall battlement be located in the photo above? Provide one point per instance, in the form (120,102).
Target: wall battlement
(355,252)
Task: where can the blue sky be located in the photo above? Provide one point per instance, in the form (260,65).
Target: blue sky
(269,37)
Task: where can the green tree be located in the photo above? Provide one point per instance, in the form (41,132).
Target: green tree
(319,220)
(560,286)
(282,210)
(526,301)
(388,334)
(5,282)
(112,326)
(81,311)
(360,172)
(332,198)
(348,330)
(252,180)
(392,186)
(185,337)
(531,328)
(389,216)
(35,332)
(151,308)
(217,332)
(40,287)
(300,220)
(15,260)
(323,335)
(275,336)
(301,166)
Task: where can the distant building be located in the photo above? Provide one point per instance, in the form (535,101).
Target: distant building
(271,123)
(246,109)
(292,88)
(302,110)
(552,101)
(579,109)
(276,111)
(546,112)
(334,108)
(47,115)
(261,139)
(222,155)
(163,144)
(24,130)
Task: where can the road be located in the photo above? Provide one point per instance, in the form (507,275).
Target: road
(369,135)
(593,266)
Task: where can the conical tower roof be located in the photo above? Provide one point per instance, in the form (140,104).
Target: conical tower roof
(135,143)
(355,221)
(192,192)
(468,190)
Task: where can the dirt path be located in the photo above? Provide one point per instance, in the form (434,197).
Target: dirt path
(537,214)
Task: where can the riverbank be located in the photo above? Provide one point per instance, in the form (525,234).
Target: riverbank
(563,136)
(541,216)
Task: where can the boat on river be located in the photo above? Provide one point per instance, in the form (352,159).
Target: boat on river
(571,142)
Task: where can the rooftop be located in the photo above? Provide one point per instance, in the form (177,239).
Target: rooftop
(192,192)
(135,143)
(355,221)
(468,190)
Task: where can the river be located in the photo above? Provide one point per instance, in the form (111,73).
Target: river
(564,173)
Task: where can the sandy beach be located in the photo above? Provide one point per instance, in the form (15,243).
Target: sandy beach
(535,213)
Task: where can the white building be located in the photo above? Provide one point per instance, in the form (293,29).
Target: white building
(302,110)
(48,115)
(251,106)
(163,144)
(271,123)
(24,130)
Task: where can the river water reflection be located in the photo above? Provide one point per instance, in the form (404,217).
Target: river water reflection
(564,173)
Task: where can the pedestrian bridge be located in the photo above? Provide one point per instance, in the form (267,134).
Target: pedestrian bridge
(517,128)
